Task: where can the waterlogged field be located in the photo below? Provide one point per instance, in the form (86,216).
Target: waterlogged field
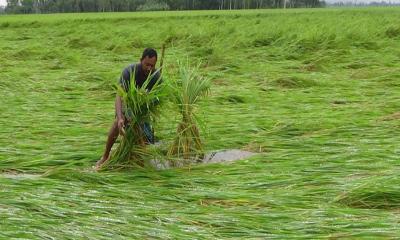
(314,92)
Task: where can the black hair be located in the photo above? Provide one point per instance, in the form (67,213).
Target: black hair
(149,52)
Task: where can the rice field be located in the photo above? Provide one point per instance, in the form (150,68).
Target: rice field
(314,92)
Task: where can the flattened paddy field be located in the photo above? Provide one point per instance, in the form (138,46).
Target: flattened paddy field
(315,93)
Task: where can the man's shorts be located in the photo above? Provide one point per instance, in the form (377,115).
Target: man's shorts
(146,128)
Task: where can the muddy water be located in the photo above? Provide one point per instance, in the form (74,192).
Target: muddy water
(227,156)
(222,156)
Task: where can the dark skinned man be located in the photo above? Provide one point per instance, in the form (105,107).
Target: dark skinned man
(140,71)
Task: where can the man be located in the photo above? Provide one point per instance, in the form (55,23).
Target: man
(141,70)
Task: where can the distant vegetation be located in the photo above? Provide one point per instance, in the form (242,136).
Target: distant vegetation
(363,4)
(60,6)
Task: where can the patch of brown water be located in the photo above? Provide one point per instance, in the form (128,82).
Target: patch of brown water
(223,156)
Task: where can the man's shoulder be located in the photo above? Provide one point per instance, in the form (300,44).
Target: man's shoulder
(130,68)
(129,71)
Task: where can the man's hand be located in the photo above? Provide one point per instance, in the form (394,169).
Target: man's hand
(121,126)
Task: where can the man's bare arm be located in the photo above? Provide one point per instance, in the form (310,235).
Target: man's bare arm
(120,117)
(118,107)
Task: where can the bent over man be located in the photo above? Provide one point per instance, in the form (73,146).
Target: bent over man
(141,70)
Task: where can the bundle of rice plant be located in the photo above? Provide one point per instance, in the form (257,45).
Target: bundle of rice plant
(141,106)
(189,89)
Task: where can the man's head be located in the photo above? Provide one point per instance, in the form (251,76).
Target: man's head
(148,60)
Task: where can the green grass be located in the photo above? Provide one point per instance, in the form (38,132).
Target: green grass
(316,92)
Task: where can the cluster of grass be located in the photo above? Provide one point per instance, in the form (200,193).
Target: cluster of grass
(189,89)
(374,193)
(314,91)
(141,106)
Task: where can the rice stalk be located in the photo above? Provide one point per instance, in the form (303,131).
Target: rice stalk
(189,89)
(141,106)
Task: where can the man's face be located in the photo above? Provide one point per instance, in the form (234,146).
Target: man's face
(148,64)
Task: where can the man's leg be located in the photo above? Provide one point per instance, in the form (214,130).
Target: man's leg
(112,136)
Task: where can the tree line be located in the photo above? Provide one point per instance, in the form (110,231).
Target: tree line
(64,6)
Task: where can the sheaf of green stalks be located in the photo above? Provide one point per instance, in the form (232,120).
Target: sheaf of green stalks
(190,88)
(141,106)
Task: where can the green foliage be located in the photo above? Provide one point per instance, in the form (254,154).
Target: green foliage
(393,31)
(141,106)
(328,160)
(294,82)
(54,6)
(189,88)
(153,5)
(374,193)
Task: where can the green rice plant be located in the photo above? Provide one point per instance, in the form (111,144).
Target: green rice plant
(189,89)
(141,107)
(375,193)
(329,167)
